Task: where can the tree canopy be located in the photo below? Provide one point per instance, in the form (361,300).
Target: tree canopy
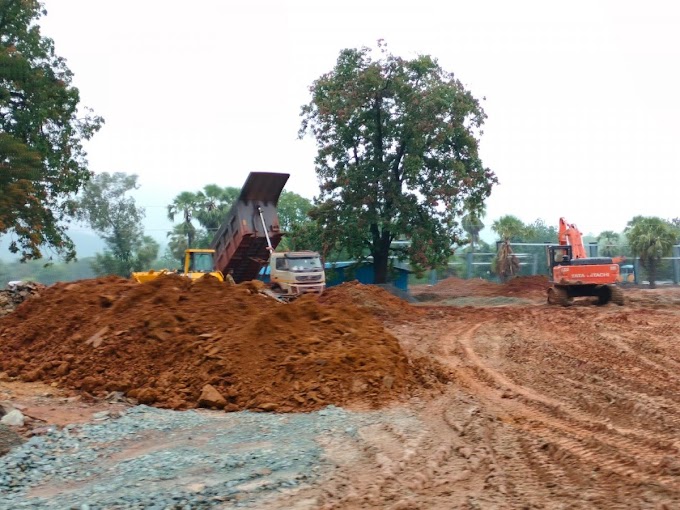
(42,160)
(115,217)
(651,239)
(397,156)
(510,228)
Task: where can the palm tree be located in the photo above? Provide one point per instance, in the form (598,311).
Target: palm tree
(213,204)
(651,239)
(472,224)
(186,203)
(509,228)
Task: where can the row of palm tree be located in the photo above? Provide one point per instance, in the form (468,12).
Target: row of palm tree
(208,207)
(649,239)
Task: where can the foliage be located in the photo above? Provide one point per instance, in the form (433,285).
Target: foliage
(210,207)
(540,232)
(397,156)
(186,204)
(177,242)
(213,204)
(293,210)
(651,239)
(510,228)
(609,243)
(145,254)
(47,274)
(115,217)
(42,160)
(472,224)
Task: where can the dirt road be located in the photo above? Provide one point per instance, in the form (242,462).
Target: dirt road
(547,407)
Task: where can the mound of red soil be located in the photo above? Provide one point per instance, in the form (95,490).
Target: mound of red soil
(162,342)
(371,298)
(526,285)
(458,287)
(519,286)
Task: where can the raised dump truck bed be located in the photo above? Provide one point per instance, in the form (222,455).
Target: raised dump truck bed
(240,244)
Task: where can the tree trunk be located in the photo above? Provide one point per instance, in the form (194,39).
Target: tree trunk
(651,274)
(380,261)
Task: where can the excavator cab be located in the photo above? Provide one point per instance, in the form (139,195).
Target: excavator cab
(558,256)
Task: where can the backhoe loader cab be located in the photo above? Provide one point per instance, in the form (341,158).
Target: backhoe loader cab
(199,262)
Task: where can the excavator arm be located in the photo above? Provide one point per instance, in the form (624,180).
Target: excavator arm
(570,235)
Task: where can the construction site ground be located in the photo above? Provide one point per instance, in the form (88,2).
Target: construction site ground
(512,404)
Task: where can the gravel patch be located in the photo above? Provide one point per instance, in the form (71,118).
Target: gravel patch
(156,459)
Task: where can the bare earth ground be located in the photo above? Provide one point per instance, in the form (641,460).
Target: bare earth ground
(548,407)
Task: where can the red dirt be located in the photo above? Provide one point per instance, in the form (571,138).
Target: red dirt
(519,286)
(163,341)
(370,298)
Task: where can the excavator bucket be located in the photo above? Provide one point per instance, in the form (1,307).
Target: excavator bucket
(263,187)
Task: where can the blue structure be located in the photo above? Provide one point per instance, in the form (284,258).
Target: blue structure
(340,272)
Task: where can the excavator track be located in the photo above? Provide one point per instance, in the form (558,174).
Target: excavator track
(558,296)
(617,295)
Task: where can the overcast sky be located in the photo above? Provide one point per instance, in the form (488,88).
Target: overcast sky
(582,98)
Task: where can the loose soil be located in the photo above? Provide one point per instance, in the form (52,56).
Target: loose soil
(545,407)
(163,341)
(527,287)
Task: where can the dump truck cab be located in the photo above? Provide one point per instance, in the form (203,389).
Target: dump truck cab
(297,272)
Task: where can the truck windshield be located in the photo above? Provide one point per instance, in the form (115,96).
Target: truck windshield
(305,264)
(201,262)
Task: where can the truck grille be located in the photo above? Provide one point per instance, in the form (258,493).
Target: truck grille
(309,278)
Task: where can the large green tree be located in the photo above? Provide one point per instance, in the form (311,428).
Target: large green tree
(42,160)
(108,209)
(609,243)
(397,155)
(651,239)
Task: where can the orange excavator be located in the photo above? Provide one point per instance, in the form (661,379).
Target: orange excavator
(576,275)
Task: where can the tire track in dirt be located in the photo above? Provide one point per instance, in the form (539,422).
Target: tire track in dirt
(569,432)
(614,381)
(525,423)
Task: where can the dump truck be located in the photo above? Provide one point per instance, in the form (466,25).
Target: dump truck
(246,241)
(575,275)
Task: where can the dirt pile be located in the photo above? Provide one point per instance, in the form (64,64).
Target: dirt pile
(526,285)
(519,286)
(370,298)
(165,341)
(16,294)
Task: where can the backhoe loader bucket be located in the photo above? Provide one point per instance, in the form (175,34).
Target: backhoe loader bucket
(263,187)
